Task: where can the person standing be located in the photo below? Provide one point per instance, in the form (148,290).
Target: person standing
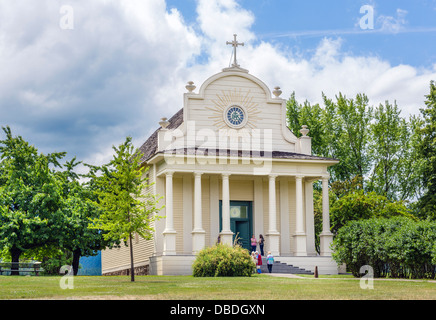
(253,243)
(261,244)
(269,261)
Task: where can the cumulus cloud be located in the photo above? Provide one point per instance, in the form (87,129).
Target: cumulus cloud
(85,89)
(329,70)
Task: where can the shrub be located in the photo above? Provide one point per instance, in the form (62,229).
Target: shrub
(396,247)
(223,261)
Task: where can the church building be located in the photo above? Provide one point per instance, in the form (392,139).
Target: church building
(227,168)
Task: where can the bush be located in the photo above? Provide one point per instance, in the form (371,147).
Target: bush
(223,261)
(395,247)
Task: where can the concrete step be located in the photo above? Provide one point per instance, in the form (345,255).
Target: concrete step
(279,267)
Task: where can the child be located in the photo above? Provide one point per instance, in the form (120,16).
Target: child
(259,262)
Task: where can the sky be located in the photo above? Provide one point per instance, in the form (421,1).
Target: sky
(79,76)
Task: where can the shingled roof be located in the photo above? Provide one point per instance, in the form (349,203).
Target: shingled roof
(150,147)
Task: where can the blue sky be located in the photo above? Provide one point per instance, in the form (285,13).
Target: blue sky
(80,77)
(301,24)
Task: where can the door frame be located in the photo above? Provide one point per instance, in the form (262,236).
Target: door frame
(233,221)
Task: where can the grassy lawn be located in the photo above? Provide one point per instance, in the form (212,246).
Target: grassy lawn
(258,287)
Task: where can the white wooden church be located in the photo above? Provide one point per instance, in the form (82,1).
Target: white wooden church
(228,166)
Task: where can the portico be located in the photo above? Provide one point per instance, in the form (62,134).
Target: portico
(292,236)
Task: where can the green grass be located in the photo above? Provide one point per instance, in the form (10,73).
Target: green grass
(258,287)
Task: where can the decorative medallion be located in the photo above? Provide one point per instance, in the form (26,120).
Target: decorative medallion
(234,109)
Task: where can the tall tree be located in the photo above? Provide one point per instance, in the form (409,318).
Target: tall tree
(390,136)
(79,208)
(30,197)
(376,144)
(338,130)
(126,206)
(427,150)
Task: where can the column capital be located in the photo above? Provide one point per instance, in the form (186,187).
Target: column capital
(273,176)
(169,173)
(299,176)
(197,173)
(325,177)
(225,175)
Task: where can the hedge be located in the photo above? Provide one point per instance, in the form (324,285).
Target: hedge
(395,247)
(223,261)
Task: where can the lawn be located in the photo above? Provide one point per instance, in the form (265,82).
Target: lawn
(258,287)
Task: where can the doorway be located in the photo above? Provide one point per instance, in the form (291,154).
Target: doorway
(241,221)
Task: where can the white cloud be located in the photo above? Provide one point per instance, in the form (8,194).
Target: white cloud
(331,71)
(83,89)
(393,24)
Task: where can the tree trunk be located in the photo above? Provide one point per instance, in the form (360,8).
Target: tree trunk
(15,254)
(76,258)
(132,268)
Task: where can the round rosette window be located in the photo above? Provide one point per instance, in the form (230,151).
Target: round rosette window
(235,116)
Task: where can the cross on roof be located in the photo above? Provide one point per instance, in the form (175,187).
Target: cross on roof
(235,44)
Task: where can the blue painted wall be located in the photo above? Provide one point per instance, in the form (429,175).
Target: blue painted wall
(90,266)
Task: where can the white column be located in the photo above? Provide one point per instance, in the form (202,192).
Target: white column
(310,218)
(300,234)
(188,208)
(285,237)
(326,237)
(169,232)
(214,207)
(198,234)
(299,204)
(273,236)
(226,233)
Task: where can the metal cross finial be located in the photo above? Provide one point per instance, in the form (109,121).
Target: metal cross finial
(235,44)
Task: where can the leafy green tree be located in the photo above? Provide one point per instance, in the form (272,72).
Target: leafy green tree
(339,130)
(376,144)
(125,205)
(351,120)
(79,209)
(396,169)
(30,197)
(427,151)
(361,205)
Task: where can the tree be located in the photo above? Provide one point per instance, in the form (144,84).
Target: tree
(125,205)
(376,144)
(30,197)
(349,135)
(427,151)
(396,169)
(79,208)
(361,205)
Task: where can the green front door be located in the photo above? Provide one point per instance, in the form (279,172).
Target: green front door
(241,222)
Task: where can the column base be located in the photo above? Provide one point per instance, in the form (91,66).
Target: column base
(273,243)
(300,245)
(198,241)
(169,246)
(226,237)
(326,238)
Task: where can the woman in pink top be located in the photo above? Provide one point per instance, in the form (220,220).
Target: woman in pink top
(253,243)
